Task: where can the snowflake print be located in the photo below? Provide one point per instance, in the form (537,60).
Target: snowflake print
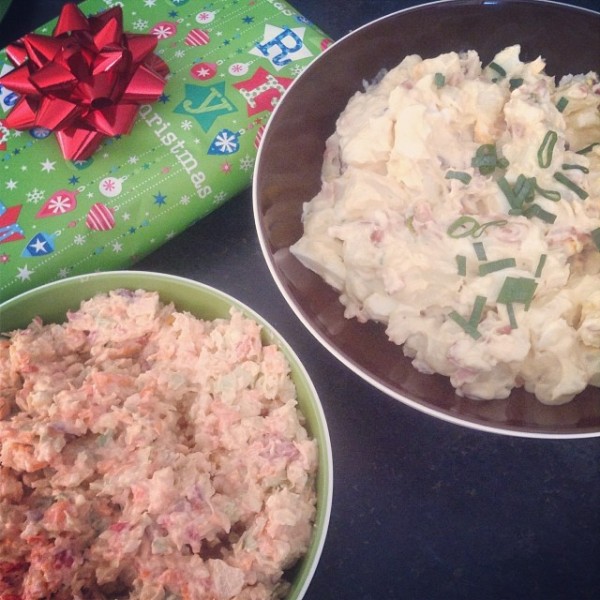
(179,53)
(186,125)
(60,204)
(226,142)
(298,70)
(108,185)
(140,25)
(185,200)
(63,273)
(246,163)
(48,165)
(205,17)
(117,246)
(35,195)
(132,160)
(237,68)
(163,31)
(220,198)
(79,240)
(149,3)
(11,184)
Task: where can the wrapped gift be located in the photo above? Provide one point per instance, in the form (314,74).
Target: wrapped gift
(74,202)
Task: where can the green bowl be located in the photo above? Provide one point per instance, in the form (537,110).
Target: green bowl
(52,301)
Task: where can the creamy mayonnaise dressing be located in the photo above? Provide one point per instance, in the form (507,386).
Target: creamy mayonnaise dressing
(460,206)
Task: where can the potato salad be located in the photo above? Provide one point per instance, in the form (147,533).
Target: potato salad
(149,454)
(460,207)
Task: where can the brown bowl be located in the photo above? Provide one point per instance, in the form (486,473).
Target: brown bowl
(288,173)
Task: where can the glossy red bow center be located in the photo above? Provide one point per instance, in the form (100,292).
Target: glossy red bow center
(86,82)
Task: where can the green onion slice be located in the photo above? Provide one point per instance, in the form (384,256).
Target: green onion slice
(562,178)
(496,67)
(496,265)
(514,83)
(470,326)
(553,195)
(573,166)
(562,103)
(461,264)
(512,319)
(524,189)
(508,191)
(467,326)
(463,227)
(479,251)
(535,210)
(460,175)
(478,307)
(486,159)
(546,149)
(595,233)
(439,79)
(540,265)
(517,289)
(482,228)
(588,148)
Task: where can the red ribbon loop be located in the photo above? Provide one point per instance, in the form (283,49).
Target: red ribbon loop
(85,82)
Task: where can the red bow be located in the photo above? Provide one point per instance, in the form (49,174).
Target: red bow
(85,82)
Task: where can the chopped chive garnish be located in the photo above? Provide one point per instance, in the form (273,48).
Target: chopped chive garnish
(517,289)
(439,79)
(486,159)
(460,175)
(512,319)
(514,83)
(595,233)
(467,326)
(478,307)
(535,210)
(470,326)
(524,189)
(462,227)
(499,222)
(546,149)
(461,264)
(496,265)
(465,226)
(540,265)
(496,67)
(562,103)
(562,178)
(479,250)
(587,148)
(508,192)
(553,195)
(572,166)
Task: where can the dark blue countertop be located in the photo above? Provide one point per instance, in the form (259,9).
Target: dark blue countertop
(422,509)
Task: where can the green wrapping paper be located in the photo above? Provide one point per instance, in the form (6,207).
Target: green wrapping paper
(188,153)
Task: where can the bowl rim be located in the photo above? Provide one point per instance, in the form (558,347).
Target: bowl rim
(308,563)
(468,423)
